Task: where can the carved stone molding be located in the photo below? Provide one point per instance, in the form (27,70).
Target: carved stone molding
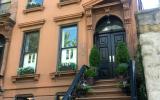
(31,23)
(68,17)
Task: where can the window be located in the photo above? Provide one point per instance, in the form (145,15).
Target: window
(2,45)
(30,49)
(4,6)
(34,3)
(68,48)
(25,97)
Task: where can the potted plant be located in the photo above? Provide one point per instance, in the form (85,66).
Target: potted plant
(90,74)
(122,58)
(82,89)
(25,70)
(125,86)
(121,70)
(94,60)
(122,55)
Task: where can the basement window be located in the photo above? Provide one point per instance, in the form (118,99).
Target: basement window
(24,97)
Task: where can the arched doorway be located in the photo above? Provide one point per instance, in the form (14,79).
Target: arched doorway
(2,46)
(109,31)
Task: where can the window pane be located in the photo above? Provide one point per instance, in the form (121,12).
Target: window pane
(36,2)
(69,37)
(30,49)
(30,60)
(68,59)
(5,1)
(31,42)
(69,55)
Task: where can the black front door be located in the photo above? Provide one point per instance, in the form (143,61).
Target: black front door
(106,44)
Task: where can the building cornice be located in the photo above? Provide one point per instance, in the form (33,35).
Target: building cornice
(68,17)
(31,23)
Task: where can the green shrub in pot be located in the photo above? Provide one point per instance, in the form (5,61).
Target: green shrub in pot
(121,69)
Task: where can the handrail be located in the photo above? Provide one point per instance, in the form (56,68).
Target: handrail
(72,88)
(132,74)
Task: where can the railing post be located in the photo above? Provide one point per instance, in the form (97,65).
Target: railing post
(133,80)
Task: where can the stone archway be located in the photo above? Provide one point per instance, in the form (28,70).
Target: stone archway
(96,9)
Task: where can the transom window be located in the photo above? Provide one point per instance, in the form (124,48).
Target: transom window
(109,24)
(68,48)
(34,3)
(30,49)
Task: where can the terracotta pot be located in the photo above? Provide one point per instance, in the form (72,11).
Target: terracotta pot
(91,80)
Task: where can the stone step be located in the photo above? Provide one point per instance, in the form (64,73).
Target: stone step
(107,82)
(106,87)
(105,93)
(106,98)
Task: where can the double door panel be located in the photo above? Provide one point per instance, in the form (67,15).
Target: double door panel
(107,44)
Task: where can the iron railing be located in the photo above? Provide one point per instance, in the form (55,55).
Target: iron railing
(132,75)
(5,7)
(70,94)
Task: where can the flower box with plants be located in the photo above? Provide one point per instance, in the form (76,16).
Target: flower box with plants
(25,73)
(67,67)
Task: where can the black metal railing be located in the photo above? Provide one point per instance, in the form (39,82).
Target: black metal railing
(70,94)
(5,7)
(132,75)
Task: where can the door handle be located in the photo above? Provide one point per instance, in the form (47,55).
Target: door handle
(113,59)
(110,59)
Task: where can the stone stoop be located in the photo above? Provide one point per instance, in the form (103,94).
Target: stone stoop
(105,90)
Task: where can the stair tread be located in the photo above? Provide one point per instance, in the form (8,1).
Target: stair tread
(108,85)
(96,91)
(108,97)
(108,80)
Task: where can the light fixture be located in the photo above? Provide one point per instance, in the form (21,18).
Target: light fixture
(108,21)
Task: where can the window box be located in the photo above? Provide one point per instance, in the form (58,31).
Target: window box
(63,74)
(41,8)
(67,2)
(25,78)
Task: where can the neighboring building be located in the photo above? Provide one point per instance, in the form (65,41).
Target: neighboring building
(8,10)
(52,34)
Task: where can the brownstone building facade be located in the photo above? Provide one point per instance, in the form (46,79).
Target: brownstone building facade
(49,35)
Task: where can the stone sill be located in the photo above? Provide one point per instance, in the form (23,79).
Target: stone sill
(62,74)
(68,2)
(25,78)
(35,9)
